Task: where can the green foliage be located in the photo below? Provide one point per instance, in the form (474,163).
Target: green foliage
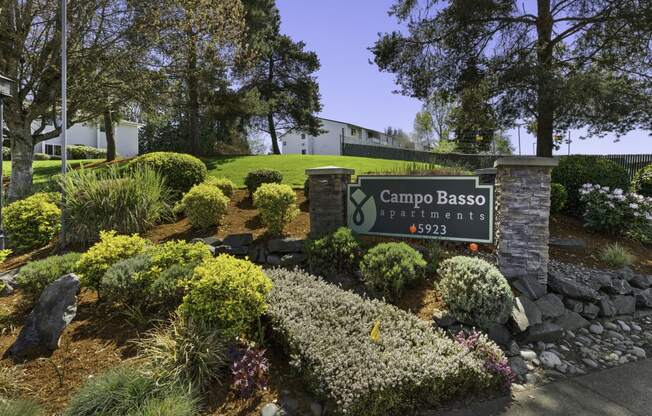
(558,197)
(4,254)
(174,403)
(32,222)
(616,255)
(475,291)
(306,188)
(277,205)
(389,267)
(109,250)
(187,352)
(41,156)
(574,171)
(227,292)
(204,205)
(255,178)
(19,408)
(180,171)
(334,253)
(327,332)
(78,152)
(223,184)
(36,275)
(128,202)
(642,181)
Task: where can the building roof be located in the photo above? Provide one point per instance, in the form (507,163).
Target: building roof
(352,124)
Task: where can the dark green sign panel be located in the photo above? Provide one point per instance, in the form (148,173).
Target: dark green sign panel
(453,208)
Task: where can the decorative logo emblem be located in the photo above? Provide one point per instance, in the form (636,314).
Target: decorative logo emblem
(362,211)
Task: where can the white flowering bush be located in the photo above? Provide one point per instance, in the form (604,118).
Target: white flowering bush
(327,332)
(617,212)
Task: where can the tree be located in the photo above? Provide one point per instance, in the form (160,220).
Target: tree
(436,112)
(564,63)
(399,136)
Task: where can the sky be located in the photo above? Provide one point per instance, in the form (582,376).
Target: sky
(355,91)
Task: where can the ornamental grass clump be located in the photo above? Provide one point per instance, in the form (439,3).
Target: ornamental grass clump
(327,332)
(204,205)
(387,268)
(616,255)
(32,222)
(474,291)
(277,205)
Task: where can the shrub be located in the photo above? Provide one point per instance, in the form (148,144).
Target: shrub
(277,205)
(36,275)
(109,250)
(204,205)
(175,403)
(306,188)
(4,254)
(388,267)
(642,182)
(326,330)
(186,351)
(128,202)
(228,292)
(6,153)
(78,152)
(494,360)
(574,171)
(19,408)
(41,156)
(180,171)
(249,369)
(255,178)
(33,222)
(616,255)
(335,253)
(558,197)
(123,282)
(474,291)
(223,184)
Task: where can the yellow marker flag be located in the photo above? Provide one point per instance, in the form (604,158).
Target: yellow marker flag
(375,332)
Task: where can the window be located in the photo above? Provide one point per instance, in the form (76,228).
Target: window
(53,149)
(354,132)
(303,136)
(285,143)
(303,151)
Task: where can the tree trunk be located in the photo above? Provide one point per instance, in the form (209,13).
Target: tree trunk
(193,101)
(22,153)
(109,131)
(272,133)
(545,94)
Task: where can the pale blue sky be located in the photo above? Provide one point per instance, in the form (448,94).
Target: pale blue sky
(355,91)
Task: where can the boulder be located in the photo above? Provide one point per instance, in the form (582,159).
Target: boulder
(499,334)
(238,240)
(518,365)
(549,359)
(572,288)
(257,254)
(617,287)
(546,332)
(641,281)
(624,304)
(232,250)
(293,259)
(55,309)
(571,321)
(600,279)
(210,241)
(590,311)
(444,319)
(574,305)
(9,279)
(606,306)
(625,273)
(550,306)
(644,298)
(529,286)
(525,313)
(274,260)
(286,245)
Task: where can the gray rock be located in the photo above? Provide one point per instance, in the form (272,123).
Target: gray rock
(644,298)
(612,326)
(549,360)
(546,331)
(571,321)
(528,355)
(529,286)
(513,349)
(590,311)
(499,334)
(638,352)
(614,335)
(525,313)
(238,240)
(624,304)
(55,309)
(590,363)
(571,288)
(574,305)
(566,242)
(596,328)
(257,254)
(550,306)
(293,259)
(518,365)
(271,409)
(316,409)
(6,289)
(641,281)
(210,241)
(286,245)
(600,279)
(444,319)
(232,250)
(623,326)
(607,307)
(9,280)
(625,273)
(274,260)
(618,287)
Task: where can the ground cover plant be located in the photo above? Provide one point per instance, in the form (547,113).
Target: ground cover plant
(327,332)
(36,275)
(387,268)
(616,255)
(32,222)
(277,205)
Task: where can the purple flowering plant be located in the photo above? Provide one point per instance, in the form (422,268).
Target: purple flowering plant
(249,368)
(494,360)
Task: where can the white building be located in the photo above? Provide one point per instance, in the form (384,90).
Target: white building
(330,142)
(92,134)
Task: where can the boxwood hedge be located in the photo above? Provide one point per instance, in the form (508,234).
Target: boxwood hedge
(327,333)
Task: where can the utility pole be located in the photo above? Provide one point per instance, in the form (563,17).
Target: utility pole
(569,141)
(64,112)
(519,139)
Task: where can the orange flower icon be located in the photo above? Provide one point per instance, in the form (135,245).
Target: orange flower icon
(413,228)
(473,247)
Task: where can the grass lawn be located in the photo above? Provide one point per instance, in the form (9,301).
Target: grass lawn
(293,167)
(43,169)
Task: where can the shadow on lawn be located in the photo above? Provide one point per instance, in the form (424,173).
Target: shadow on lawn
(214,162)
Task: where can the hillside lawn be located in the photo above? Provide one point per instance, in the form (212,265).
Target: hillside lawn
(44,170)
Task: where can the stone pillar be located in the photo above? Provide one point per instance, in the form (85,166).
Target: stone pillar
(522,217)
(327,198)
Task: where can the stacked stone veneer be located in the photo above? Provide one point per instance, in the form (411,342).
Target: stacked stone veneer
(327,198)
(522,216)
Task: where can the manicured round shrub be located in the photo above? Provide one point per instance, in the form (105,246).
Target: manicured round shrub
(36,275)
(181,171)
(575,171)
(79,152)
(475,291)
(32,222)
(388,267)
(228,292)
(258,177)
(334,253)
(223,184)
(642,182)
(558,197)
(41,156)
(123,283)
(204,205)
(111,248)
(277,205)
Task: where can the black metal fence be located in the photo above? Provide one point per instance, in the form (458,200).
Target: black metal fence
(631,163)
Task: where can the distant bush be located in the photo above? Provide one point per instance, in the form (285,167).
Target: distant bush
(128,202)
(558,197)
(228,292)
(616,255)
(32,222)
(180,171)
(388,267)
(204,205)
(642,182)
(6,153)
(36,275)
(475,291)
(79,152)
(41,156)
(19,408)
(334,253)
(255,178)
(574,171)
(109,250)
(223,184)
(327,332)
(277,205)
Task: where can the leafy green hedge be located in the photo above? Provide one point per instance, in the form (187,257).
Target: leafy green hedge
(642,182)
(180,171)
(327,332)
